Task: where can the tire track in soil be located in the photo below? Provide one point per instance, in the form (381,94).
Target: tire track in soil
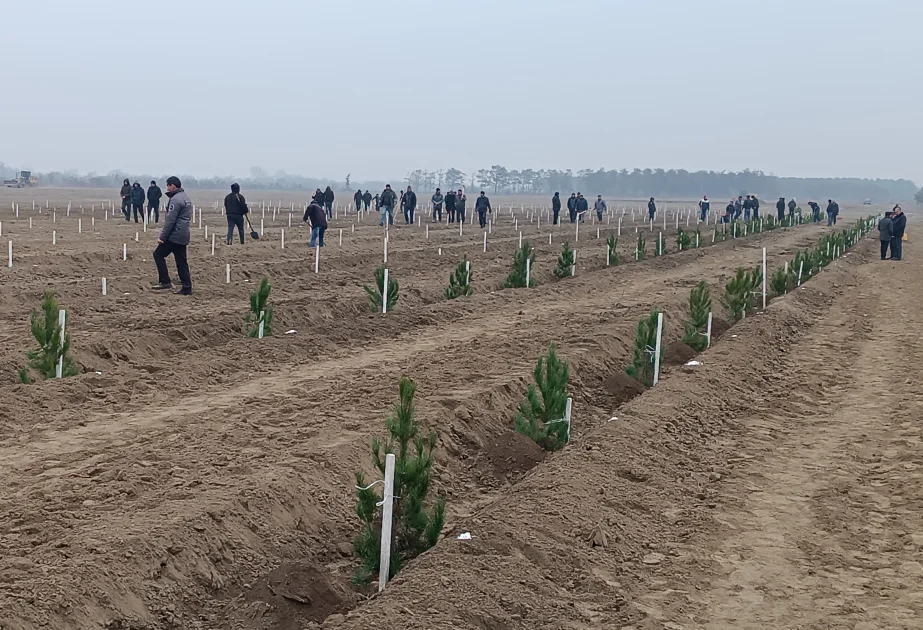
(237,472)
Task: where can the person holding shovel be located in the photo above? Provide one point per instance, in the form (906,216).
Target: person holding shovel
(235,208)
(318,218)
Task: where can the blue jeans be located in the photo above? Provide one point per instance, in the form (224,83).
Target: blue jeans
(704,214)
(386,212)
(317,236)
(831,219)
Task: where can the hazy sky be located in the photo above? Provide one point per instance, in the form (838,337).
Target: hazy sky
(376,88)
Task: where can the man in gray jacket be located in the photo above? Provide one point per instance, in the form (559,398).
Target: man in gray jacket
(174,237)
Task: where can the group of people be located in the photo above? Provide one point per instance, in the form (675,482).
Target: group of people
(133,197)
(891,233)
(453,204)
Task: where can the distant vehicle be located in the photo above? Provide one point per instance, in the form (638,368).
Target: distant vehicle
(867,202)
(24,179)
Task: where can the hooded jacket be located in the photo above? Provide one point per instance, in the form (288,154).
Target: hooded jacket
(367,197)
(791,206)
(328,195)
(137,195)
(177,219)
(125,192)
(572,202)
(316,214)
(235,205)
(450,200)
(581,205)
(885,229)
(358,197)
(780,205)
(755,203)
(387,198)
(651,207)
(482,204)
(154,194)
(898,225)
(556,203)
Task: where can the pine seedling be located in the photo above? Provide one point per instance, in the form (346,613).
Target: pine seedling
(779,281)
(415,528)
(517,277)
(682,240)
(754,286)
(697,324)
(47,333)
(260,309)
(612,251)
(641,247)
(376,294)
(459,281)
(566,262)
(642,363)
(736,295)
(697,241)
(540,414)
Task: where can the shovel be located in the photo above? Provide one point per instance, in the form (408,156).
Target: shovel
(253,233)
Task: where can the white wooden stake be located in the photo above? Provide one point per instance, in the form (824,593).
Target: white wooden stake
(577,231)
(54,237)
(283,238)
(79,226)
(620,226)
(387,505)
(608,253)
(124,251)
(520,239)
(468,272)
(104,286)
(10,264)
(384,294)
(573,267)
(764,278)
(316,258)
(227,274)
(528,269)
(213,244)
(62,321)
(485,241)
(708,332)
(800,269)
(657,347)
(259,333)
(341,236)
(386,249)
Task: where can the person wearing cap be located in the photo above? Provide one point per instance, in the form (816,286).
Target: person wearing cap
(755,206)
(437,201)
(153,202)
(599,207)
(125,194)
(555,208)
(174,238)
(235,209)
(386,202)
(137,201)
(482,205)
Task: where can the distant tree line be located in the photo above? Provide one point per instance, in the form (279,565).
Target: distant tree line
(637,183)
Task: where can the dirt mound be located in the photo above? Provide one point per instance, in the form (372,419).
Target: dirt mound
(719,327)
(512,454)
(301,592)
(677,353)
(622,387)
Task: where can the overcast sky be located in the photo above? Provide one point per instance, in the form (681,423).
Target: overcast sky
(377,88)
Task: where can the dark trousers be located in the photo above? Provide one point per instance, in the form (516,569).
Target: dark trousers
(557,212)
(437,213)
(884,249)
(780,215)
(599,215)
(138,211)
(409,214)
(451,213)
(897,245)
(482,218)
(573,216)
(126,209)
(155,210)
(366,203)
(235,221)
(461,214)
(182,266)
(329,206)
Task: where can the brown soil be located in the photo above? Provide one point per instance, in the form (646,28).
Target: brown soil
(512,454)
(677,353)
(719,327)
(195,478)
(622,387)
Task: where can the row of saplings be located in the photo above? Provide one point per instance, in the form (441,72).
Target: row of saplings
(417,521)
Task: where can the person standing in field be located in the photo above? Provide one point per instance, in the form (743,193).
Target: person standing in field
(599,207)
(748,208)
(792,206)
(137,201)
(885,232)
(780,208)
(318,197)
(815,211)
(367,199)
(409,205)
(555,207)
(235,209)
(755,204)
(482,205)
(581,206)
(377,200)
(831,212)
(357,199)
(898,227)
(318,218)
(328,201)
(460,201)
(704,207)
(153,202)
(651,210)
(174,238)
(438,199)
(572,207)
(125,193)
(738,207)
(450,205)
(386,202)
(728,212)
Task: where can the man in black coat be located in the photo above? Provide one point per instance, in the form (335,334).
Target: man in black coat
(582,206)
(450,205)
(153,201)
(357,199)
(409,205)
(482,205)
(556,207)
(748,208)
(235,208)
(328,201)
(898,226)
(780,208)
(651,209)
(137,201)
(572,207)
(367,199)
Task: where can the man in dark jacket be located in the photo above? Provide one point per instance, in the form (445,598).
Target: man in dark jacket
(174,237)
(460,201)
(367,199)
(898,226)
(792,206)
(704,207)
(438,199)
(357,199)
(153,202)
(318,218)
(137,201)
(755,204)
(831,212)
(885,232)
(748,208)
(728,212)
(651,209)
(409,205)
(738,207)
(125,193)
(556,207)
(572,207)
(386,201)
(482,205)
(600,207)
(780,208)
(235,208)
(581,206)
(450,205)
(328,201)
